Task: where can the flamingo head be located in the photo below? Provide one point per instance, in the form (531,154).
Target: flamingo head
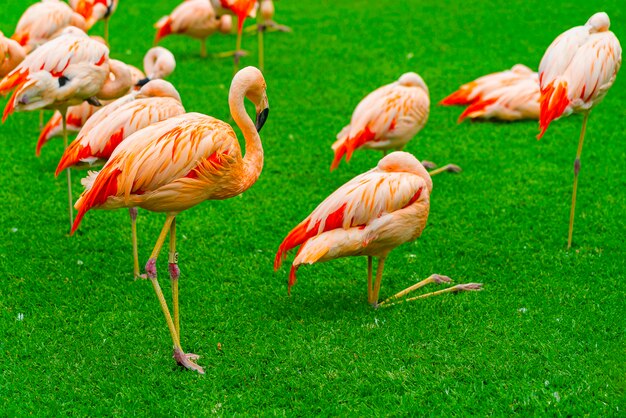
(599,22)
(412,80)
(158,88)
(400,161)
(38,92)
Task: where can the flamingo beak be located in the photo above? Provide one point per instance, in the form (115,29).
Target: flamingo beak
(261,118)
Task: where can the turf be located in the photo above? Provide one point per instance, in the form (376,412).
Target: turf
(546,337)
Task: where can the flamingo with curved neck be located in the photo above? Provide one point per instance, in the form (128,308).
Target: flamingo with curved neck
(11,54)
(175,164)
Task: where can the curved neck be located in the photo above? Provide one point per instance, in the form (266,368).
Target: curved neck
(118,85)
(253,159)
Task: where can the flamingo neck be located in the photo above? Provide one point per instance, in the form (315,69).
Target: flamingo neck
(118,85)
(253,158)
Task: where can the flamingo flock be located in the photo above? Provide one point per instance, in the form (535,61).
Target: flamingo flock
(158,157)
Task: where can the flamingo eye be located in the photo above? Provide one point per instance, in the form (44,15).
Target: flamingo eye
(63,80)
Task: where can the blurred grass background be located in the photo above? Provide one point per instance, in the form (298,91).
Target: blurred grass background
(547,336)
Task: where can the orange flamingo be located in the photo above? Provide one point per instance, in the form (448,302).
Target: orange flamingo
(119,82)
(178,163)
(508,95)
(95,10)
(242,9)
(575,73)
(387,119)
(193,18)
(156,101)
(63,72)
(369,216)
(44,20)
(11,54)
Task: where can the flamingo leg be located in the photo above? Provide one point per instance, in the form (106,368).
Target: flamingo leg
(184,359)
(174,275)
(133,228)
(203,48)
(237,54)
(67,170)
(40,120)
(261,27)
(106,30)
(369,278)
(373,300)
(458,288)
(434,278)
(576,171)
(450,168)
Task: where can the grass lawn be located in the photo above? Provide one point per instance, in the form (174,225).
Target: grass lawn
(546,336)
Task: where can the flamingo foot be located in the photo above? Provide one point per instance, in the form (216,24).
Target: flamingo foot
(226,54)
(438,279)
(467,287)
(429,165)
(187,360)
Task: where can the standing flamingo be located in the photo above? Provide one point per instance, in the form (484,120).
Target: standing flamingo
(42,21)
(194,18)
(156,101)
(387,119)
(94,10)
(265,22)
(369,216)
(575,74)
(242,9)
(176,164)
(508,95)
(118,83)
(11,54)
(63,72)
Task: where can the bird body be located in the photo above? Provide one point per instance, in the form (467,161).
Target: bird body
(193,18)
(370,215)
(386,119)
(578,69)
(156,101)
(240,8)
(44,20)
(507,95)
(11,54)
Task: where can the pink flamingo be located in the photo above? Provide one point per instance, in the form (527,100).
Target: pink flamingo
(508,95)
(387,119)
(178,163)
(95,10)
(193,18)
(265,22)
(11,54)
(369,216)
(156,101)
(575,73)
(242,9)
(44,20)
(63,72)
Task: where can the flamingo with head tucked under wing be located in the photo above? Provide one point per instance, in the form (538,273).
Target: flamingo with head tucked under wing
(175,164)
(368,216)
(387,119)
(63,72)
(575,73)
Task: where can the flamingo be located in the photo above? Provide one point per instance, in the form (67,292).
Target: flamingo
(242,9)
(369,216)
(42,21)
(194,18)
(156,101)
(575,73)
(158,63)
(507,95)
(175,164)
(387,119)
(265,22)
(94,10)
(119,82)
(63,72)
(11,54)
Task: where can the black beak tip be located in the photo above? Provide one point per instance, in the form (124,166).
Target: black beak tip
(143,82)
(261,118)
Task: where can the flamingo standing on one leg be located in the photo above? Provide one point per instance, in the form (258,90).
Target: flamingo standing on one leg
(575,74)
(194,18)
(95,10)
(368,216)
(119,82)
(265,22)
(508,95)
(242,9)
(65,71)
(44,20)
(387,119)
(156,101)
(11,54)
(176,164)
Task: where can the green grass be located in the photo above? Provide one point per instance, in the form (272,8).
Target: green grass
(545,337)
